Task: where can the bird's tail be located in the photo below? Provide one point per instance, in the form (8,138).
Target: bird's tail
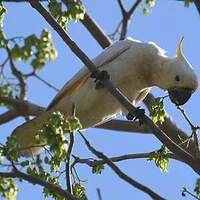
(25,135)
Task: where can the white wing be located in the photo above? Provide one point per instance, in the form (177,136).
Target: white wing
(109,54)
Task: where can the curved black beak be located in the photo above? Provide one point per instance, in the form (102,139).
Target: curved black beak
(180,96)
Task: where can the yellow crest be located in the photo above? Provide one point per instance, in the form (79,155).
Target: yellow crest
(179,50)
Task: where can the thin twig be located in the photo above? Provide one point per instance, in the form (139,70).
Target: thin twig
(99,194)
(194,132)
(123,11)
(185,190)
(92,162)
(18,75)
(126,15)
(121,174)
(112,36)
(197,4)
(4,62)
(46,82)
(68,164)
(133,8)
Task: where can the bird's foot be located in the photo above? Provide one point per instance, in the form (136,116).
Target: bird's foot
(100,77)
(138,115)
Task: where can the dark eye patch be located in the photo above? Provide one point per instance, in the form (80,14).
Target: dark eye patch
(177,78)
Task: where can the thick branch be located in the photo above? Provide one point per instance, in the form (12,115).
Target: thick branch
(35,180)
(8,116)
(127,126)
(121,174)
(96,31)
(23,108)
(115,92)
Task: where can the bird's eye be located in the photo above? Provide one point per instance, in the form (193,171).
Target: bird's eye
(177,78)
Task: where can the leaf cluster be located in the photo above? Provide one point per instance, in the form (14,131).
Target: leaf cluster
(148,6)
(53,133)
(2,36)
(97,169)
(197,188)
(75,11)
(160,158)
(79,191)
(8,188)
(35,49)
(157,111)
(45,167)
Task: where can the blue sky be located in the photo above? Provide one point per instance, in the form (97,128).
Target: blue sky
(168,21)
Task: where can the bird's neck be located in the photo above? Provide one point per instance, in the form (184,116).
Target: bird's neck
(157,75)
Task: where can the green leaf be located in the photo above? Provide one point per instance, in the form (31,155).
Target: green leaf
(2,12)
(187,3)
(36,50)
(97,169)
(3,40)
(160,158)
(8,188)
(157,111)
(197,187)
(74,10)
(62,20)
(150,3)
(25,163)
(55,8)
(73,124)
(79,191)
(12,149)
(145,11)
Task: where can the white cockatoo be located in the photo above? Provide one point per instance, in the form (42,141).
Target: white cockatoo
(134,67)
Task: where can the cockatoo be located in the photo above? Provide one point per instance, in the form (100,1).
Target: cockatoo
(134,67)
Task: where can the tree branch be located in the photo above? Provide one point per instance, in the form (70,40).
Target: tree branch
(197,4)
(18,75)
(95,30)
(99,194)
(133,8)
(126,15)
(121,174)
(171,129)
(92,163)
(68,163)
(127,126)
(46,83)
(123,11)
(8,116)
(36,180)
(23,108)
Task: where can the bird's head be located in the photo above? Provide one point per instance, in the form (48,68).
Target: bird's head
(178,77)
